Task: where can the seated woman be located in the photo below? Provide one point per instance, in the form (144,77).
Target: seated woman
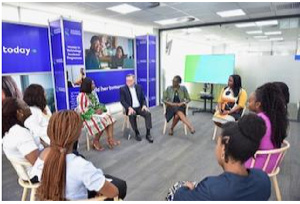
(117,61)
(95,116)
(176,97)
(35,97)
(18,142)
(269,104)
(231,102)
(74,178)
(236,144)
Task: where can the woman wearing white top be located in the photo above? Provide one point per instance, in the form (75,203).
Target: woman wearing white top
(73,176)
(18,142)
(35,97)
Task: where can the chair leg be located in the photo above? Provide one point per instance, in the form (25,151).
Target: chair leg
(127,121)
(215,132)
(124,123)
(24,195)
(32,194)
(87,142)
(185,129)
(165,127)
(277,190)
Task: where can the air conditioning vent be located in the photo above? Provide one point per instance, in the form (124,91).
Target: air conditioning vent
(294,5)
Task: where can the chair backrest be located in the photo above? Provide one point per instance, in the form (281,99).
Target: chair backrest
(100,198)
(243,112)
(21,168)
(280,153)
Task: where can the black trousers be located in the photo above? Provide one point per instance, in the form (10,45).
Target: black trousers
(119,183)
(145,114)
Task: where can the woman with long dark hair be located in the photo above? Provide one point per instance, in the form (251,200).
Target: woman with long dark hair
(269,103)
(118,59)
(231,102)
(74,178)
(96,120)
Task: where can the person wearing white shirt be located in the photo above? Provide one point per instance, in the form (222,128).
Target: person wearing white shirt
(18,143)
(133,101)
(37,123)
(74,178)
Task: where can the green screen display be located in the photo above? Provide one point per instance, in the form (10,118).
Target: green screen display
(214,69)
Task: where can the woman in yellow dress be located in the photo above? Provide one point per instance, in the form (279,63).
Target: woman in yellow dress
(231,102)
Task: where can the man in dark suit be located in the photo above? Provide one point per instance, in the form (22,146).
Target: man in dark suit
(133,100)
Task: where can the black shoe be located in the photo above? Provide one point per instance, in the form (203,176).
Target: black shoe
(149,138)
(138,137)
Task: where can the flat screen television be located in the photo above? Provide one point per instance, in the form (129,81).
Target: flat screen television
(213,69)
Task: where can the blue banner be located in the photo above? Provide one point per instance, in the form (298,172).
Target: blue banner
(73,42)
(73,93)
(152,70)
(297,57)
(108,84)
(142,66)
(25,49)
(58,65)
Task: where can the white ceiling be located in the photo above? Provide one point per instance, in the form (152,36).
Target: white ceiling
(204,11)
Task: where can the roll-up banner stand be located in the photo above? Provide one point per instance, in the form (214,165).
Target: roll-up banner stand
(66,51)
(146,66)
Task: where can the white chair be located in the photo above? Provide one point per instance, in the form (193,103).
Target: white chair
(100,198)
(24,180)
(280,152)
(126,122)
(166,123)
(216,127)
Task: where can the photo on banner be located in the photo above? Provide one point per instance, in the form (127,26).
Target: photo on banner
(105,52)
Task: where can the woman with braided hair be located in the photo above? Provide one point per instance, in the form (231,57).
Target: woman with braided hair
(269,102)
(237,143)
(74,178)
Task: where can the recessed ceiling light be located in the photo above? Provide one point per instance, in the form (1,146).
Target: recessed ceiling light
(244,25)
(276,39)
(260,37)
(254,32)
(266,23)
(176,20)
(124,8)
(273,33)
(231,13)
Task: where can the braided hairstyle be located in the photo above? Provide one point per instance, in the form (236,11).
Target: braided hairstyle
(237,84)
(273,105)
(63,129)
(242,138)
(284,90)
